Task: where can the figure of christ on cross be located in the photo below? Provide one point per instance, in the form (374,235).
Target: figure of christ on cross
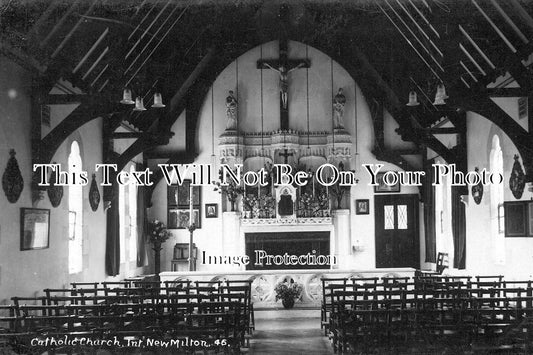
(283,80)
(283,66)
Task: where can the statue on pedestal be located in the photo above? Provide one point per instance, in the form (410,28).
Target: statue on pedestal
(231,112)
(338,110)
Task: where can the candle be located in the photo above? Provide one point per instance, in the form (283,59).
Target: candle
(313,178)
(191,217)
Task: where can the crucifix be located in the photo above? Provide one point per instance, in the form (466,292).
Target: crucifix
(283,66)
(286,155)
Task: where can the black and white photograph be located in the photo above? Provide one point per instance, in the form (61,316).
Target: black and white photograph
(179,218)
(179,195)
(198,177)
(211,210)
(362,206)
(384,187)
(34,228)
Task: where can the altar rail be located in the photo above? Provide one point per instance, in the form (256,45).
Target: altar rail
(263,282)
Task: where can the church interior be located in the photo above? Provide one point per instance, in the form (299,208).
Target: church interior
(412,231)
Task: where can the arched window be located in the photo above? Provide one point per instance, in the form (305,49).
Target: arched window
(127,206)
(132,218)
(443,210)
(75,208)
(497,216)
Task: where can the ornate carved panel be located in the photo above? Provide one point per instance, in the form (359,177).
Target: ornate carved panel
(12,181)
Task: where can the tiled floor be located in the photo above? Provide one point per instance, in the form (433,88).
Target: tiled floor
(289,332)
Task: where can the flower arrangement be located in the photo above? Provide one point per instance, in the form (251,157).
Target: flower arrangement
(305,204)
(338,191)
(267,205)
(249,202)
(288,292)
(158,232)
(231,190)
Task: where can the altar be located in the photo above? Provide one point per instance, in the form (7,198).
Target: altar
(263,282)
(294,250)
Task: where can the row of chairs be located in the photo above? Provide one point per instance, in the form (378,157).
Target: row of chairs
(210,324)
(430,284)
(207,312)
(361,313)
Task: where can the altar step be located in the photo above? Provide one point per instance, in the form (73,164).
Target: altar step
(289,331)
(282,313)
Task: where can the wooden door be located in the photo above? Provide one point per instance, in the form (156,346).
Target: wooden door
(396,219)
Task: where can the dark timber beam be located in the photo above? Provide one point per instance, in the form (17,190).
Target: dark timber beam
(59,99)
(374,87)
(177,158)
(507,92)
(485,107)
(159,131)
(21,58)
(126,135)
(376,112)
(443,130)
(81,115)
(180,95)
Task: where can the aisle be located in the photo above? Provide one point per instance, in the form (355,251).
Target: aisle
(289,332)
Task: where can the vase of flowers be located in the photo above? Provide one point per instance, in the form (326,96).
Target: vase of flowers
(158,234)
(231,190)
(288,293)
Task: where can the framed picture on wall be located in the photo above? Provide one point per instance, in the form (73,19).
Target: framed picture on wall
(362,207)
(178,195)
(34,228)
(178,218)
(518,218)
(384,188)
(211,210)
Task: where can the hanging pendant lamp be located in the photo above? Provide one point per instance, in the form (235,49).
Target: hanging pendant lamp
(139,105)
(127,98)
(413,99)
(440,96)
(158,101)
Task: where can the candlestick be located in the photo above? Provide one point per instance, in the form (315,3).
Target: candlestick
(190,206)
(327,196)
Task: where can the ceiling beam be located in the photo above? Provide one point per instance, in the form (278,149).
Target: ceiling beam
(65,99)
(23,59)
(374,87)
(506,92)
(484,106)
(161,127)
(81,115)
(126,135)
(443,130)
(176,158)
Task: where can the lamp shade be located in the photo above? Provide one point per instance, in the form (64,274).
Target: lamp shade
(440,96)
(126,97)
(413,99)
(158,100)
(139,105)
